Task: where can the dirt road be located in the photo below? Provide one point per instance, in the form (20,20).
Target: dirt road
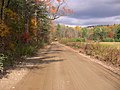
(60,68)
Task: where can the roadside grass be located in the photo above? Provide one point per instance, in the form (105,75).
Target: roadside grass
(108,52)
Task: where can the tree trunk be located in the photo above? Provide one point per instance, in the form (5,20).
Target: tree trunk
(26,18)
(2,10)
(8,3)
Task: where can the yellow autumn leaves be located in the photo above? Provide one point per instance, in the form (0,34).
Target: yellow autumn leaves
(12,15)
(4,30)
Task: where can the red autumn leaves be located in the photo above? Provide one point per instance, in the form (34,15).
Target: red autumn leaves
(25,37)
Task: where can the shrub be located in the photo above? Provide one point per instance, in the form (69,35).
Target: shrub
(3,59)
(117,40)
(78,40)
(66,40)
(26,50)
(103,52)
(108,40)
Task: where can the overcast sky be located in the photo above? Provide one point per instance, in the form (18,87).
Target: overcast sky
(92,12)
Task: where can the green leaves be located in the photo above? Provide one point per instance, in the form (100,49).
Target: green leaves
(2,60)
(118,33)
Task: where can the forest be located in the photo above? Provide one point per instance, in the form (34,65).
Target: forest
(100,33)
(25,26)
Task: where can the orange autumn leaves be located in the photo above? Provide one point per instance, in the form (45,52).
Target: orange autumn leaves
(54,9)
(59,0)
(67,10)
(63,8)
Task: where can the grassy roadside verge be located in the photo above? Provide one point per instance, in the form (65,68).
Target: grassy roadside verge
(107,52)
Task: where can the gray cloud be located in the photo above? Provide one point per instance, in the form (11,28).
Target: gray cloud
(89,12)
(97,12)
(115,1)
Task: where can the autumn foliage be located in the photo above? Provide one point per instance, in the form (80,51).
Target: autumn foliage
(4,29)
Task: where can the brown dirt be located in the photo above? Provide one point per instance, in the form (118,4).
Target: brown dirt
(60,68)
(11,78)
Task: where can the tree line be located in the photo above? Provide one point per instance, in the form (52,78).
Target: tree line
(103,33)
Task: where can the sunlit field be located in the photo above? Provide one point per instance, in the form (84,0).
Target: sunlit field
(114,44)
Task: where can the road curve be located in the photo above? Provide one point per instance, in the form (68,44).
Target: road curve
(59,68)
